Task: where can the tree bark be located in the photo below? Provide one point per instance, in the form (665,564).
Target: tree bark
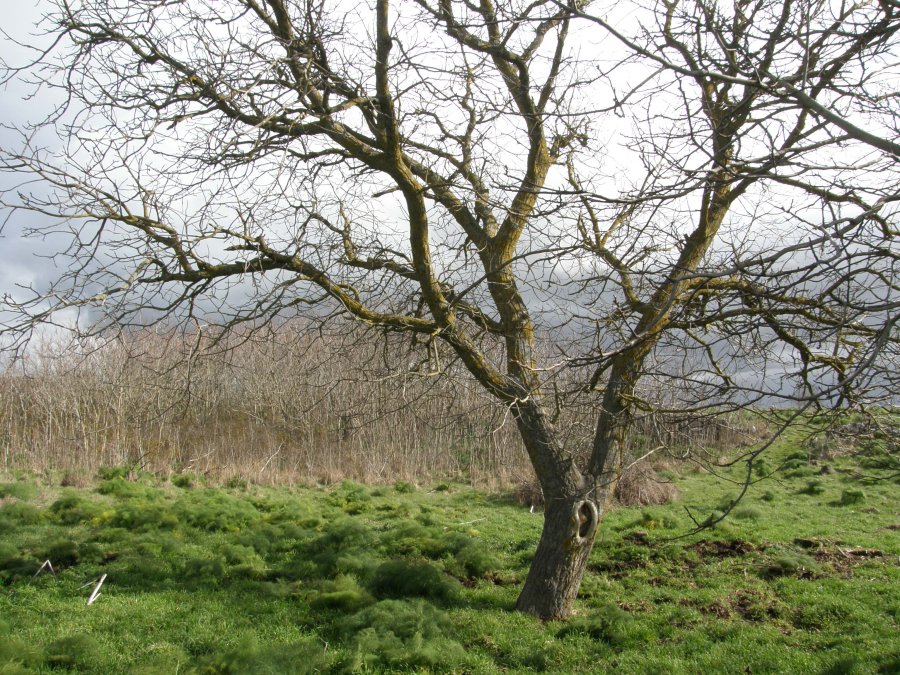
(574,501)
(571,519)
(570,526)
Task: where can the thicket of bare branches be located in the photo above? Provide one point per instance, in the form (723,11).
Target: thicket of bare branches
(291,405)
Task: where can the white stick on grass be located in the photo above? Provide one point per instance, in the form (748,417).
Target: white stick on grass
(46,564)
(96,593)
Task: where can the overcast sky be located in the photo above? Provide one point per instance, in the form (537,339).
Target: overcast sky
(19,261)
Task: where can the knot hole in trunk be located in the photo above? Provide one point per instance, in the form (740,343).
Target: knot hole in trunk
(586,517)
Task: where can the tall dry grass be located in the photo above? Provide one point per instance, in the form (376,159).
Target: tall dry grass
(287,405)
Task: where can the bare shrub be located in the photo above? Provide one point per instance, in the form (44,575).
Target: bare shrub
(640,485)
(528,493)
(288,405)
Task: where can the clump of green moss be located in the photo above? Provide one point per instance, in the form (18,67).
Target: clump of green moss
(608,624)
(62,553)
(248,657)
(400,635)
(747,513)
(70,652)
(214,511)
(792,564)
(813,487)
(72,508)
(404,487)
(21,490)
(851,497)
(20,513)
(342,593)
(411,578)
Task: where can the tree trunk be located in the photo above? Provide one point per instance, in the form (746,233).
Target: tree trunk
(574,504)
(570,526)
(571,518)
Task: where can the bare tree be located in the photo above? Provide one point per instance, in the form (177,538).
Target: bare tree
(690,193)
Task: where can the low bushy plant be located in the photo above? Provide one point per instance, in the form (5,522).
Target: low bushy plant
(761,468)
(125,489)
(7,552)
(351,498)
(141,514)
(652,519)
(183,480)
(113,472)
(714,519)
(204,571)
(248,657)
(17,656)
(344,538)
(236,483)
(213,510)
(243,562)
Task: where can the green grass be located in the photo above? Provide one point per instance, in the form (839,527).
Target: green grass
(402,579)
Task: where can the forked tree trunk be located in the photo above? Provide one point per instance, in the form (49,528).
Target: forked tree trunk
(574,504)
(570,526)
(571,519)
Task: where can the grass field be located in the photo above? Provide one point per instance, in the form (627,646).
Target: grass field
(802,577)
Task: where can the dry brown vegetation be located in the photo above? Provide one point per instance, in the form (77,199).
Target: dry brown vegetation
(290,406)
